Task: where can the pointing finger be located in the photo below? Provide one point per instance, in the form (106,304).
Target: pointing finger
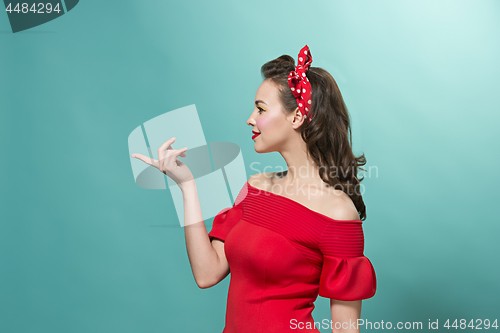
(145,159)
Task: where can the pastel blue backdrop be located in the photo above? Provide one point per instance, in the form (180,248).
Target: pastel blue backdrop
(84,249)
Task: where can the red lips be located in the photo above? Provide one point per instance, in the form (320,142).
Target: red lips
(256,134)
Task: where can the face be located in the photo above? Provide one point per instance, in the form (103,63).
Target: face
(270,121)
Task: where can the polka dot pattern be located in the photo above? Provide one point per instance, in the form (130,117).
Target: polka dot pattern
(299,83)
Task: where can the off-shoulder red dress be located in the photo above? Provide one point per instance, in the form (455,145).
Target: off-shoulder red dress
(281,255)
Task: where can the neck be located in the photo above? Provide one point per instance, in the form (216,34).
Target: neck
(301,169)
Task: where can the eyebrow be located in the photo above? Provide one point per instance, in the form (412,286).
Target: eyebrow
(259,101)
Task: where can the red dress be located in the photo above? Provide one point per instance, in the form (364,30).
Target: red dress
(281,255)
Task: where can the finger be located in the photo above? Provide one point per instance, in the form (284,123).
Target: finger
(145,159)
(161,152)
(172,157)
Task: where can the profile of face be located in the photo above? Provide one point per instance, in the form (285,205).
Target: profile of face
(268,118)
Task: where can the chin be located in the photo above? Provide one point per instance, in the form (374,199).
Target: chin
(262,151)
(257,150)
(262,148)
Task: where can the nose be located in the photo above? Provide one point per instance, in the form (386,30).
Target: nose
(251,121)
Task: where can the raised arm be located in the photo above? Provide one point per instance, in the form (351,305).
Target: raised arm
(207,259)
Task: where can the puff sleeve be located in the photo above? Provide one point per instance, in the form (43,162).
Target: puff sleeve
(346,275)
(224,221)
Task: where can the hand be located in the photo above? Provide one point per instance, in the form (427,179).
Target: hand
(168,163)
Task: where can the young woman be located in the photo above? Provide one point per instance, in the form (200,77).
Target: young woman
(293,235)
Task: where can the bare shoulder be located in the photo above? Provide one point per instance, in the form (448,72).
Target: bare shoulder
(330,202)
(262,180)
(254,179)
(341,207)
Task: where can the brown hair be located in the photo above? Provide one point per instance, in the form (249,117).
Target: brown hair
(328,136)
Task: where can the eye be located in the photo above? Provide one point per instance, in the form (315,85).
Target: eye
(260,109)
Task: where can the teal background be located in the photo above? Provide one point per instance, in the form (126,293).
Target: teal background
(83,249)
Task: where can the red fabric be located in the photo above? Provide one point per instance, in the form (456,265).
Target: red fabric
(282,255)
(224,221)
(347,279)
(299,83)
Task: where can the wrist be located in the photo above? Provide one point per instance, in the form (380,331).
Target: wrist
(188,186)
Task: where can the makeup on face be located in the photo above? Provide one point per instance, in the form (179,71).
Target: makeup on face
(265,115)
(266,122)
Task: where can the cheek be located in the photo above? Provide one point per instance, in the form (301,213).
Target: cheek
(265,122)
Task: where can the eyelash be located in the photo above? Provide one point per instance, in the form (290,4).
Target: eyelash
(260,109)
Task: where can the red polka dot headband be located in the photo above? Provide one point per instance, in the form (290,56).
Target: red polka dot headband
(299,83)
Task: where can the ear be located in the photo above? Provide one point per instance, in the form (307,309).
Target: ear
(297,118)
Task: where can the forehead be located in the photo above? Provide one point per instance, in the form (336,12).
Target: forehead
(268,92)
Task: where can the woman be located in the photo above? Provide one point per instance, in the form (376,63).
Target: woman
(290,235)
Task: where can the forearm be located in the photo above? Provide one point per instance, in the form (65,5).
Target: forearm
(202,255)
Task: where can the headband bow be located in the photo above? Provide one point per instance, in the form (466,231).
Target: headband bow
(299,83)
